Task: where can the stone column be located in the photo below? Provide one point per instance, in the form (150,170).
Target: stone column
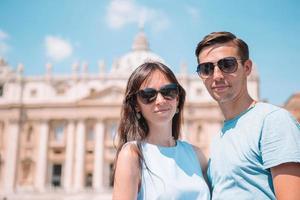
(79,156)
(98,157)
(69,161)
(41,163)
(11,156)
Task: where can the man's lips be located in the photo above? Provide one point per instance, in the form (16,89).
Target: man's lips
(220,88)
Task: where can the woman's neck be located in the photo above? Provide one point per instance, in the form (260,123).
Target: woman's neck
(161,135)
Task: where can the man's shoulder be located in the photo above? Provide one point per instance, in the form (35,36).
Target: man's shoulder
(275,116)
(266,109)
(271,110)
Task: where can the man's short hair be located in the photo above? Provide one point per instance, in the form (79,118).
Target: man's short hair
(220,38)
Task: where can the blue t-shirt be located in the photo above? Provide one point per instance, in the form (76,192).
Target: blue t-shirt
(172,173)
(262,137)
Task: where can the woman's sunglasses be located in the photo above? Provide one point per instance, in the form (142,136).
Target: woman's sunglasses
(227,65)
(148,95)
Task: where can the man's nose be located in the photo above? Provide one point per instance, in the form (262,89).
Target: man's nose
(218,74)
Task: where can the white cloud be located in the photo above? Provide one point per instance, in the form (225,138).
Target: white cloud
(120,13)
(193,12)
(123,12)
(161,22)
(4,48)
(57,48)
(3,35)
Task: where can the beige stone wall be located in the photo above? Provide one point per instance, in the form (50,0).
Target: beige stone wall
(293,105)
(59,129)
(34,161)
(58,143)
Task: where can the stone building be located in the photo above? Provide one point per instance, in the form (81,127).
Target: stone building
(293,105)
(57,131)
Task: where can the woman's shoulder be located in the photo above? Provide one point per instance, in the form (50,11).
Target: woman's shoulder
(199,153)
(187,144)
(127,173)
(129,152)
(183,143)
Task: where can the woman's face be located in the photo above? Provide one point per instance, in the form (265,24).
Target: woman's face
(159,110)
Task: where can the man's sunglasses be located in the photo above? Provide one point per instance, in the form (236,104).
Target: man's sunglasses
(148,95)
(227,65)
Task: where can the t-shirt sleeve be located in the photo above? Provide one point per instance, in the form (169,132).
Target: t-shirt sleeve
(280,139)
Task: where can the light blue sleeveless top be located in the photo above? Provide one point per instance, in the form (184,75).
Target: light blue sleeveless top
(172,173)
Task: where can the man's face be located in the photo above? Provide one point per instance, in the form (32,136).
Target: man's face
(225,87)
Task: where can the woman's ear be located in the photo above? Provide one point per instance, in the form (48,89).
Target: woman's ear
(137,108)
(137,112)
(177,100)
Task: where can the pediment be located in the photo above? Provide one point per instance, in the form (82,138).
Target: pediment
(109,95)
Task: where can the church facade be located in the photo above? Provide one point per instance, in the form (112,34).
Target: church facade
(57,131)
(293,105)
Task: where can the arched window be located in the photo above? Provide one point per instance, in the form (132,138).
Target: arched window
(59,132)
(26,165)
(1,135)
(112,130)
(199,133)
(1,90)
(1,149)
(1,166)
(56,175)
(90,133)
(29,134)
(26,170)
(89,180)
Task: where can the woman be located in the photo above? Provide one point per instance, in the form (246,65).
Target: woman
(151,161)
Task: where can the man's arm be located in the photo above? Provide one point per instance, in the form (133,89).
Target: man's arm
(286,180)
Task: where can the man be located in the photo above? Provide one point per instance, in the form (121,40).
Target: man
(257,153)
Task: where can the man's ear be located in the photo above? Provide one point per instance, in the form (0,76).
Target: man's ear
(248,66)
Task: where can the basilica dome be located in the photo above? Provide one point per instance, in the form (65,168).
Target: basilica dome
(140,53)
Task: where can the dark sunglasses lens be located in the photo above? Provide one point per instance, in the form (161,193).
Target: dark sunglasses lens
(169,91)
(147,95)
(206,69)
(228,65)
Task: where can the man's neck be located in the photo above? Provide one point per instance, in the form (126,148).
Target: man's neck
(232,109)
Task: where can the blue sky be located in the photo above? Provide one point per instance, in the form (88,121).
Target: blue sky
(66,31)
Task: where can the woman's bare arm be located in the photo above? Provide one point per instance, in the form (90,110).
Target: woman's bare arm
(127,174)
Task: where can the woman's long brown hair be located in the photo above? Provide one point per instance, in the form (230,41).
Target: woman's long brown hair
(132,128)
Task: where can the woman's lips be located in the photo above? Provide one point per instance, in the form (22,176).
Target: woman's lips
(162,110)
